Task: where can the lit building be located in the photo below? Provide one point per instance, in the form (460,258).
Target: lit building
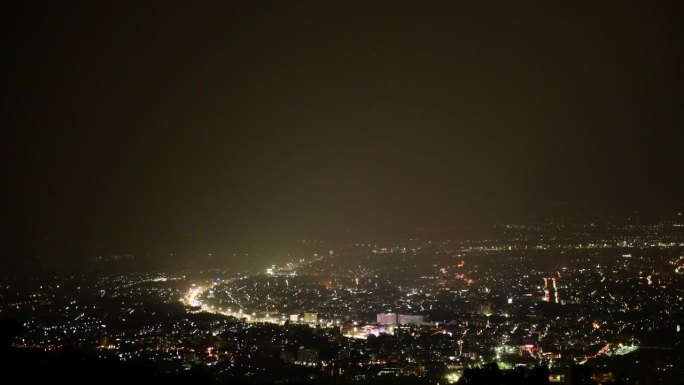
(310,318)
(410,319)
(387,319)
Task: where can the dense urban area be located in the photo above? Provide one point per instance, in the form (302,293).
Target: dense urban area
(548,302)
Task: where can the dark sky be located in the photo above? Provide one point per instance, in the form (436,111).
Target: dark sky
(130,127)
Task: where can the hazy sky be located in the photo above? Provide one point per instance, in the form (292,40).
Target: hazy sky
(128,126)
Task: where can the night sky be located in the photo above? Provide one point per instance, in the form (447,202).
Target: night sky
(129,127)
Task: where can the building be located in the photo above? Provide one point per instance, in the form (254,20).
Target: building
(287,357)
(410,319)
(307,356)
(387,319)
(310,318)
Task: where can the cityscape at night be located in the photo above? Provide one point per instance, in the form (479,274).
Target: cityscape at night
(304,192)
(552,295)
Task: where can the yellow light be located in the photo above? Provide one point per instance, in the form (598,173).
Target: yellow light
(452,378)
